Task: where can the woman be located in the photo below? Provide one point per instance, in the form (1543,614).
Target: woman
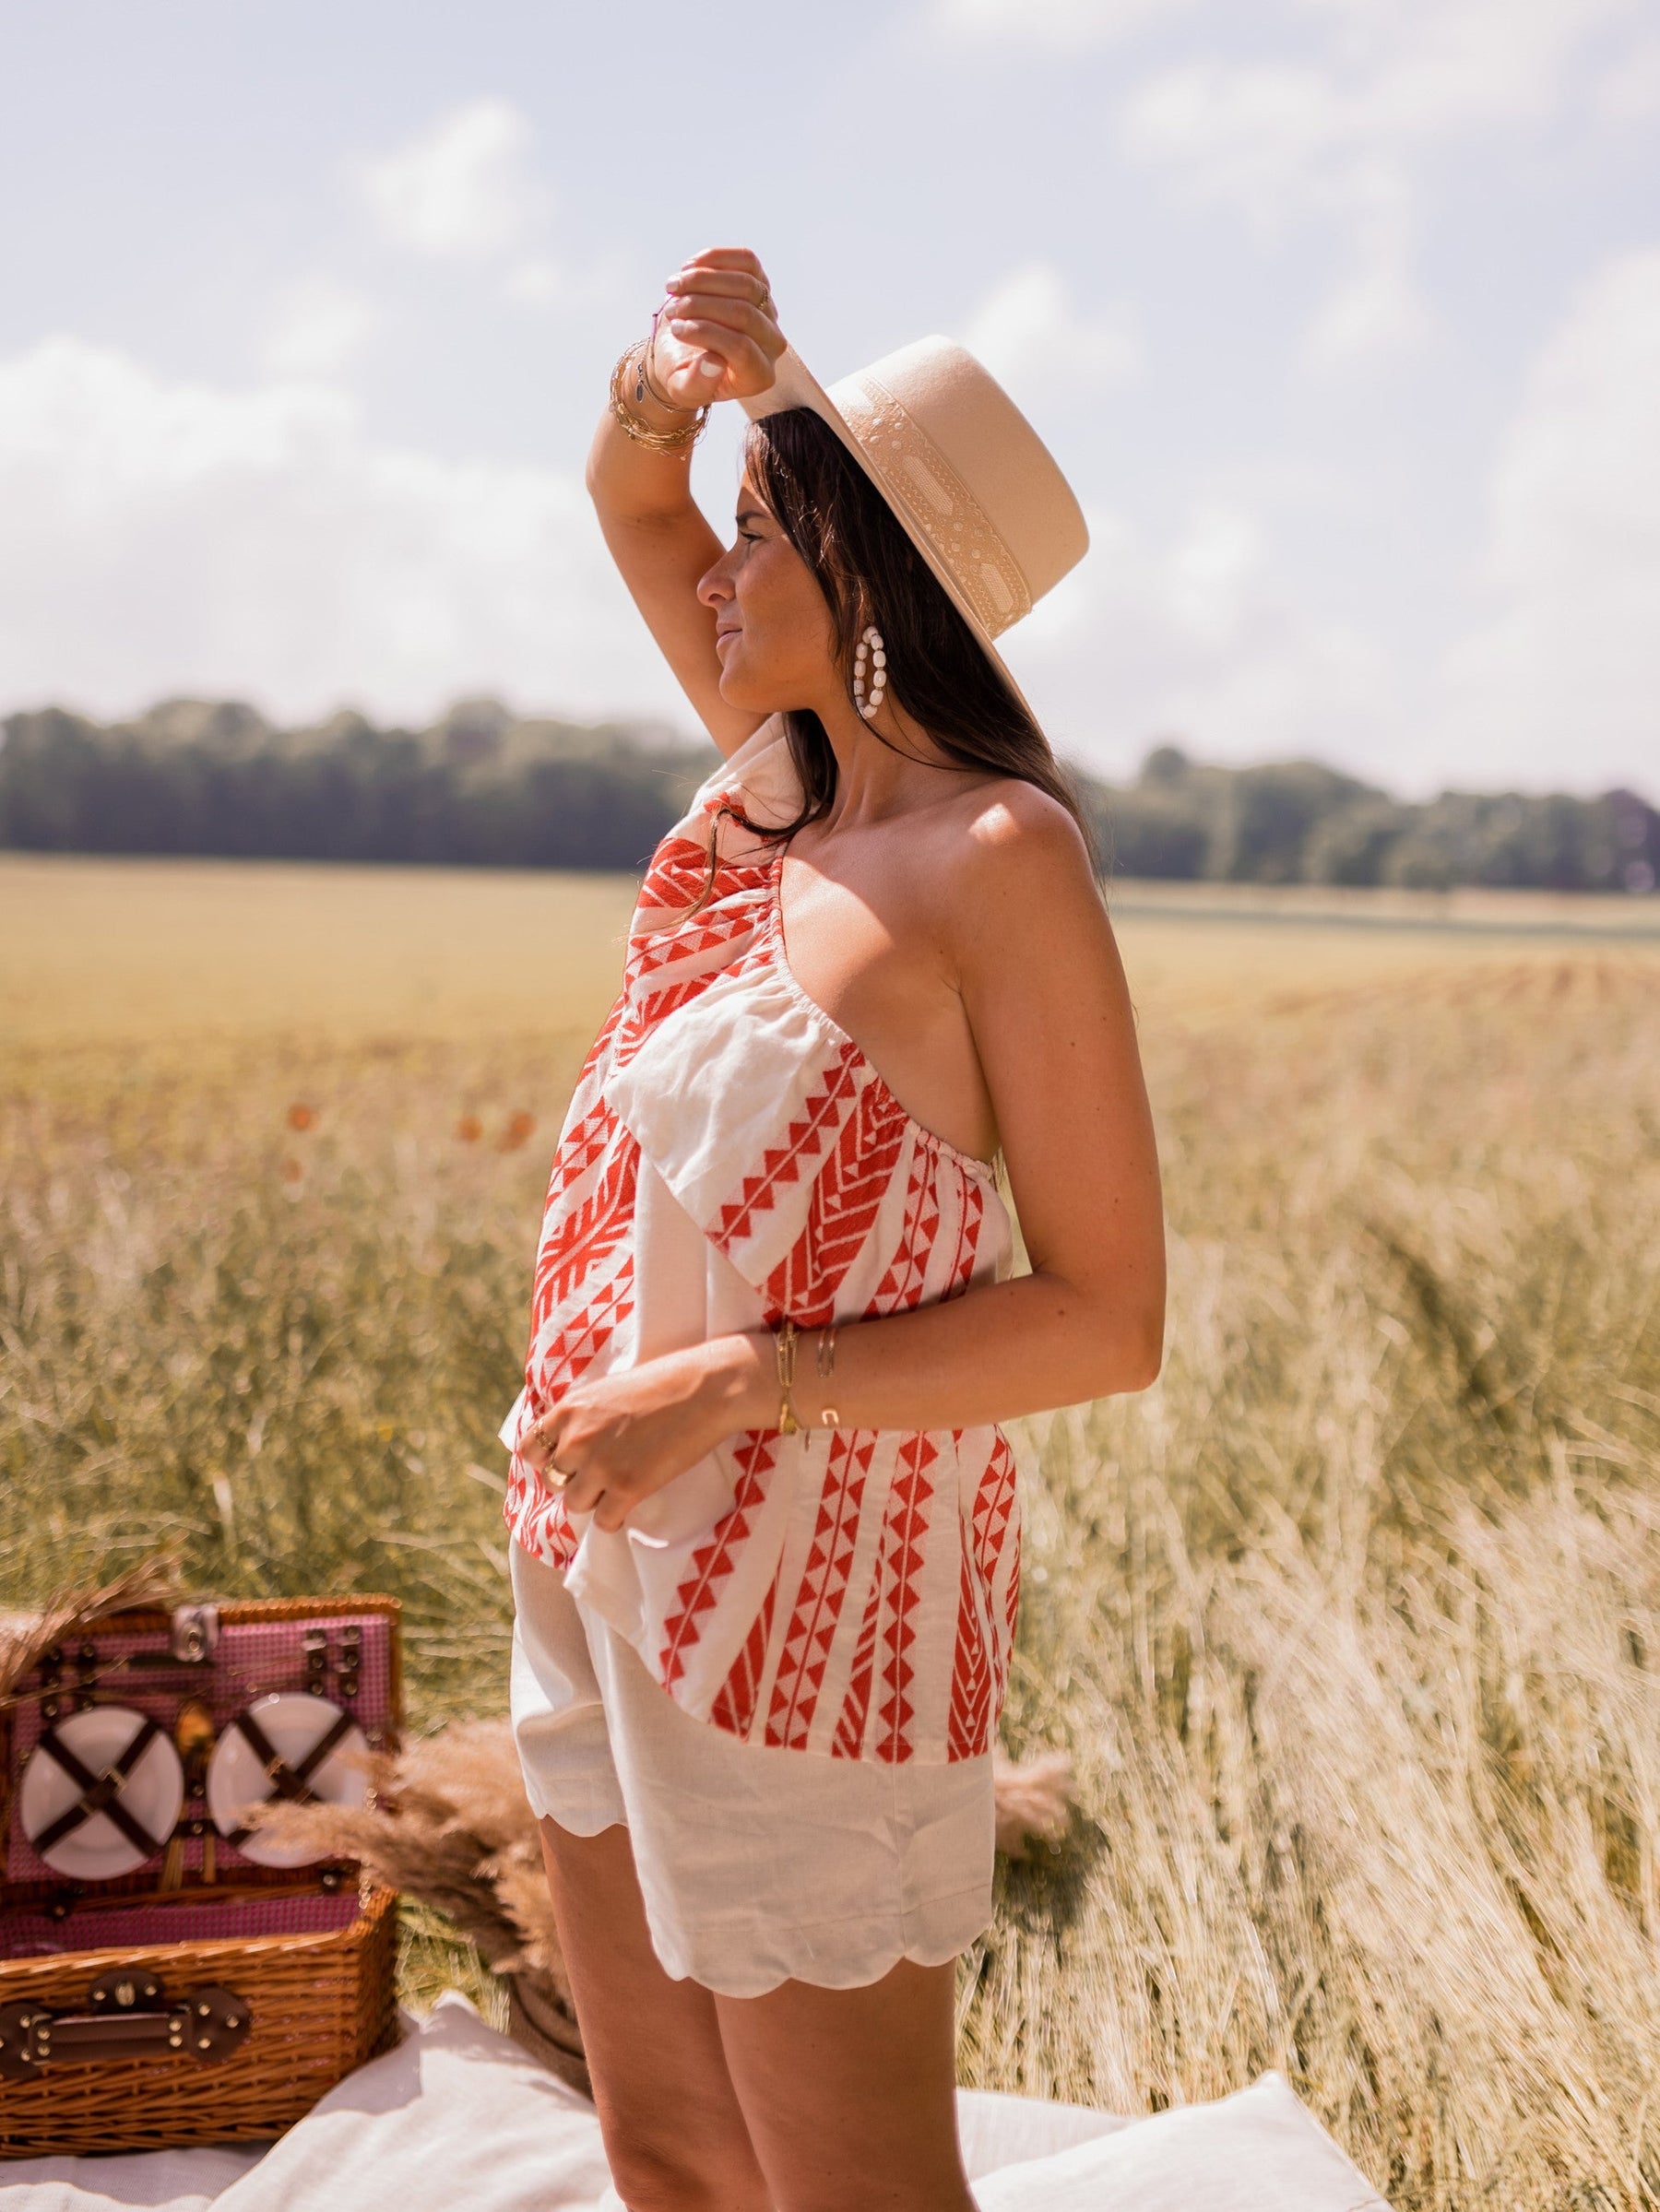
(756,1465)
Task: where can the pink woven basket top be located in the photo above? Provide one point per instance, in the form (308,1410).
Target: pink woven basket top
(252,1658)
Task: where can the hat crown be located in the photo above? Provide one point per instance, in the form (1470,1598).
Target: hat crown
(958,459)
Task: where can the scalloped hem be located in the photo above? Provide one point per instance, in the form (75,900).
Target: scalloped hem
(758,1865)
(748,1960)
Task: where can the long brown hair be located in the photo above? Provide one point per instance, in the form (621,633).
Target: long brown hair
(870,571)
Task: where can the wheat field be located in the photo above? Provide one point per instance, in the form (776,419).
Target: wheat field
(1351,1625)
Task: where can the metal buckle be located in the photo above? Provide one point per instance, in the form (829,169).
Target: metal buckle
(128,2015)
(194,1632)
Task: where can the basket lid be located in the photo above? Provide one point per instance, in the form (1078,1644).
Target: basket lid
(114,1688)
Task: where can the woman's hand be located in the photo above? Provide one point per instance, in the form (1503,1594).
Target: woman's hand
(717,332)
(611,1443)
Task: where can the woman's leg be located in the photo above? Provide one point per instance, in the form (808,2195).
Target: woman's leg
(849,2094)
(673,2130)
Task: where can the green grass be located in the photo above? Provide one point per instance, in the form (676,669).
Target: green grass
(1352,1625)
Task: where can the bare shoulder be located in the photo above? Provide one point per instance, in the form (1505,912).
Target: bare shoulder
(1014,825)
(1017,860)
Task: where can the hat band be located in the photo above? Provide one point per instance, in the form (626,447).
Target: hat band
(928,491)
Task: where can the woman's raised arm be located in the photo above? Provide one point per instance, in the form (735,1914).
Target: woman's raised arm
(718,338)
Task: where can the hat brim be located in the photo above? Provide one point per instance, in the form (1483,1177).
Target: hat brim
(794,385)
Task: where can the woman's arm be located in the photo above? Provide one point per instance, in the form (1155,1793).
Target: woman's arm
(714,342)
(1050,1010)
(1051,1013)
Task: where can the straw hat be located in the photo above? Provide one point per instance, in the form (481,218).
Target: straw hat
(976,488)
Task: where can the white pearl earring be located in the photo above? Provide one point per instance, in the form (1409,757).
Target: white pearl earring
(870,644)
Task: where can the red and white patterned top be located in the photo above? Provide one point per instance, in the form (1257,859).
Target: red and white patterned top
(732,1156)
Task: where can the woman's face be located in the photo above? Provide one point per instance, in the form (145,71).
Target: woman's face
(772,630)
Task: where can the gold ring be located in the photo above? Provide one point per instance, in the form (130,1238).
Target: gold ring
(557,1478)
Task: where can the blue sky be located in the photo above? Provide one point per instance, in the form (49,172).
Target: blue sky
(1342,315)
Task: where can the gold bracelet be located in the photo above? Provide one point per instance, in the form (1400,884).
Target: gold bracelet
(787,1423)
(641,431)
(824,1359)
(647,355)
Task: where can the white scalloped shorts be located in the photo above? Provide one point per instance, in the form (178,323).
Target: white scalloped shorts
(757,1865)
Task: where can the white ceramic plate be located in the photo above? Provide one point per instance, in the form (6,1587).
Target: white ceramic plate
(294,1721)
(153,1794)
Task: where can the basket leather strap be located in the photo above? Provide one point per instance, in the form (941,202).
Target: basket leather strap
(289,1782)
(100,1792)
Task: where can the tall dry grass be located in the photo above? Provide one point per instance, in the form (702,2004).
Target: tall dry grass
(284,1348)
(1352,1625)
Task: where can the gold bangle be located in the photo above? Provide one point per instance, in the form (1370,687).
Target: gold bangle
(641,431)
(647,353)
(825,1353)
(786,1344)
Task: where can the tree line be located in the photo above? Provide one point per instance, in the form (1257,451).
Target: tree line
(481,786)
(1296,821)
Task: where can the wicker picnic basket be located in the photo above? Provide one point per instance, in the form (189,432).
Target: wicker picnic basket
(202,1996)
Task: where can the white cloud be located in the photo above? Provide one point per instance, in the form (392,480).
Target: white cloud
(1565,666)
(1255,136)
(1199,638)
(1028,332)
(537,282)
(1274,136)
(463,189)
(160,536)
(1280,143)
(319,328)
(1630,91)
(1064,24)
(1425,67)
(1335,135)
(1375,313)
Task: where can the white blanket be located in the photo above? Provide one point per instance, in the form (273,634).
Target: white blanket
(459,2115)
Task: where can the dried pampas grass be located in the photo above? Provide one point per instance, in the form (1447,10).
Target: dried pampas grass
(25,1638)
(448,1823)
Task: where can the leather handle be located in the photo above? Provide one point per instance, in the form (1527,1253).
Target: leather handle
(124,2019)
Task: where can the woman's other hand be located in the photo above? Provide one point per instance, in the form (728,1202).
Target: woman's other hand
(611,1443)
(717,332)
